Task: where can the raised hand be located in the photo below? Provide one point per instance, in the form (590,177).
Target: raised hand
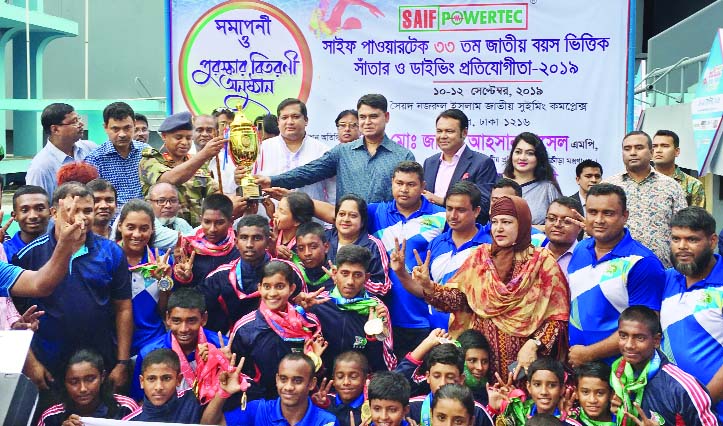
(29,320)
(396,257)
(644,420)
(71,224)
(615,404)
(318,343)
(277,192)
(499,391)
(366,422)
(213,147)
(183,269)
(202,349)
(163,267)
(320,398)
(233,381)
(5,227)
(567,400)
(269,206)
(225,348)
(309,300)
(420,273)
(331,271)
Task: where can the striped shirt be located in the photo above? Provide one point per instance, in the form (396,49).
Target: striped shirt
(386,223)
(600,289)
(119,171)
(692,320)
(357,172)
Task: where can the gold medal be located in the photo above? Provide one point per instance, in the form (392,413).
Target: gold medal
(366,412)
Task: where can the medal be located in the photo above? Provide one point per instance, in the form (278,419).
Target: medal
(165,284)
(374,327)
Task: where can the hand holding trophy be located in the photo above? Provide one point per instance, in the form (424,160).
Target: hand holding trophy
(244,149)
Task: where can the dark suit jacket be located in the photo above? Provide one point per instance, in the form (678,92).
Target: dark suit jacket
(577,197)
(472,166)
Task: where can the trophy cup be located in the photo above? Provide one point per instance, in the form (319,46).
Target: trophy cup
(244,148)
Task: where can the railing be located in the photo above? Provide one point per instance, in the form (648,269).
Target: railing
(650,83)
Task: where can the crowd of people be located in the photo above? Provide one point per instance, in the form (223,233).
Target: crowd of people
(365,287)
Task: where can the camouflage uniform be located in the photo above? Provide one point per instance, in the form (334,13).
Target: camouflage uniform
(693,188)
(190,194)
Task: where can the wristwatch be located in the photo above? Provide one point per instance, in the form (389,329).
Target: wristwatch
(165,284)
(537,342)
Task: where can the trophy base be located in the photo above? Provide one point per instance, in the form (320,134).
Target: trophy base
(253,192)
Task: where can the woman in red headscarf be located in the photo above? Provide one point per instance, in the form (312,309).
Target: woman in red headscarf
(512,292)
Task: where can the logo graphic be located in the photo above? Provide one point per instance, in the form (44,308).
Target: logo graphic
(463,17)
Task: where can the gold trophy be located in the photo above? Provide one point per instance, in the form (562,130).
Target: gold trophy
(244,148)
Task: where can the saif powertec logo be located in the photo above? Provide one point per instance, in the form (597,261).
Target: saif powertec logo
(463,17)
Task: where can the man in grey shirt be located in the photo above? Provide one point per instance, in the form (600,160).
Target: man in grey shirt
(363,167)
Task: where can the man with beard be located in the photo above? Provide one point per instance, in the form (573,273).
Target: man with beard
(104,206)
(164,200)
(691,313)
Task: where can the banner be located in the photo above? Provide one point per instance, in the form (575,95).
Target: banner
(707,107)
(92,421)
(556,68)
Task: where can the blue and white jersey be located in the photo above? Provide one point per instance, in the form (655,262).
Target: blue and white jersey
(630,274)
(692,320)
(446,260)
(386,223)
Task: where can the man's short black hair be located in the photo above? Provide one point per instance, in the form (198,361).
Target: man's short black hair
(27,190)
(467,188)
(447,354)
(218,202)
(548,364)
(354,255)
(344,114)
(298,356)
(409,167)
(292,101)
(640,133)
(544,419)
(254,220)
(70,189)
(455,114)
(186,298)
(609,189)
(594,369)
(313,228)
(373,100)
(585,164)
(508,183)
(269,123)
(644,315)
(98,185)
(223,111)
(696,218)
(54,114)
(390,386)
(140,117)
(354,356)
(118,111)
(670,134)
(473,339)
(568,202)
(162,356)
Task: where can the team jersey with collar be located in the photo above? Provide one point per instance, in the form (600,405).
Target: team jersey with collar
(181,408)
(692,321)
(386,223)
(57,414)
(417,408)
(148,324)
(254,339)
(447,258)
(345,332)
(263,412)
(630,274)
(379,282)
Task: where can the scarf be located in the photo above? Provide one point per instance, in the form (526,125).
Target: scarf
(584,419)
(313,285)
(503,257)
(538,293)
(360,304)
(289,324)
(624,383)
(201,245)
(517,408)
(471,381)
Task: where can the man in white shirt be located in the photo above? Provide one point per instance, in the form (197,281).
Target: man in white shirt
(563,223)
(64,129)
(293,148)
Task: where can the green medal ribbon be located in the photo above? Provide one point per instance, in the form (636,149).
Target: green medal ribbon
(586,420)
(471,381)
(624,383)
(360,305)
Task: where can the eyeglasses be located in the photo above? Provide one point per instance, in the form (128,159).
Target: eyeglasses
(563,221)
(347,126)
(75,122)
(160,202)
(222,110)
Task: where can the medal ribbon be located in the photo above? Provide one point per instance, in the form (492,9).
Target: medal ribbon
(624,383)
(360,305)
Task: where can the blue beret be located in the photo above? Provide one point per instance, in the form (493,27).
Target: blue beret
(178,121)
